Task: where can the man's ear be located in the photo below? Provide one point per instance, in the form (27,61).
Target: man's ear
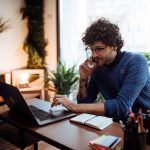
(115,48)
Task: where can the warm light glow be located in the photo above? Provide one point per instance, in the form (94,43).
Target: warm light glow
(24,78)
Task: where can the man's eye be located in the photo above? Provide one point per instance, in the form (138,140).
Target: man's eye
(99,49)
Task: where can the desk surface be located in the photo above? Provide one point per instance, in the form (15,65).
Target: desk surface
(63,134)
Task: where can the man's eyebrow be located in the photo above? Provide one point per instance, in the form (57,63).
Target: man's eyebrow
(99,46)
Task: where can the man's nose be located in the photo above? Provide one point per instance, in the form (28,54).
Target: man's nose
(94,54)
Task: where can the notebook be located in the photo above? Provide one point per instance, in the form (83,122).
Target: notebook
(105,142)
(98,122)
(36,110)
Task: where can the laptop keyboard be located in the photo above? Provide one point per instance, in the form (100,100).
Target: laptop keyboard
(40,114)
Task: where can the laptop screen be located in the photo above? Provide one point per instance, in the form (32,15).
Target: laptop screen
(14,99)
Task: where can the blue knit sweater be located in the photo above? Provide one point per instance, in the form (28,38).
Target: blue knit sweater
(125,85)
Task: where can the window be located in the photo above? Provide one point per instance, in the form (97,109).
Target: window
(76,15)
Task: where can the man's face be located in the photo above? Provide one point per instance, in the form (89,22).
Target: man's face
(102,54)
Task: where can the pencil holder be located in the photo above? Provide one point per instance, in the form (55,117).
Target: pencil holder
(136,130)
(148,137)
(134,141)
(142,141)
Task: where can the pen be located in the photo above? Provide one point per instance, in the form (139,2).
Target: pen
(122,125)
(112,144)
(140,119)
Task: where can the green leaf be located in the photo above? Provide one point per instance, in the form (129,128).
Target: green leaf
(63,78)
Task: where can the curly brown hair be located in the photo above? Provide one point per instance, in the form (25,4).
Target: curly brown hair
(104,31)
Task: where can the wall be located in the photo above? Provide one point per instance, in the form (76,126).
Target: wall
(51,32)
(12,55)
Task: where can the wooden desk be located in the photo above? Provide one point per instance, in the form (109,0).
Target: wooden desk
(63,134)
(32,94)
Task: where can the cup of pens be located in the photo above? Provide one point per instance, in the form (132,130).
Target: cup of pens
(134,132)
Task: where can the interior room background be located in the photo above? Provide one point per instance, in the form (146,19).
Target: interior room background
(12,55)
(74,17)
(131,16)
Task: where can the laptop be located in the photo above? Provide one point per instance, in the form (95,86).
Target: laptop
(38,111)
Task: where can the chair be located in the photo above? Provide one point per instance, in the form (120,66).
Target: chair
(17,137)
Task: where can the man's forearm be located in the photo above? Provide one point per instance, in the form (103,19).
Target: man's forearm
(96,108)
(82,92)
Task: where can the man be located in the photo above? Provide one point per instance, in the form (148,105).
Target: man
(121,77)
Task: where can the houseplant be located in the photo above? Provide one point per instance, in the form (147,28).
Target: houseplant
(35,42)
(62,80)
(147,57)
(3,25)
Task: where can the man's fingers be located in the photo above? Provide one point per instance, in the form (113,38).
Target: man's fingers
(58,96)
(56,102)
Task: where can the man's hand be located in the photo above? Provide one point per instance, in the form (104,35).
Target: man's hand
(60,99)
(86,68)
(96,108)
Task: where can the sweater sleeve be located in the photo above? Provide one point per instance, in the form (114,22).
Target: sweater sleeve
(136,76)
